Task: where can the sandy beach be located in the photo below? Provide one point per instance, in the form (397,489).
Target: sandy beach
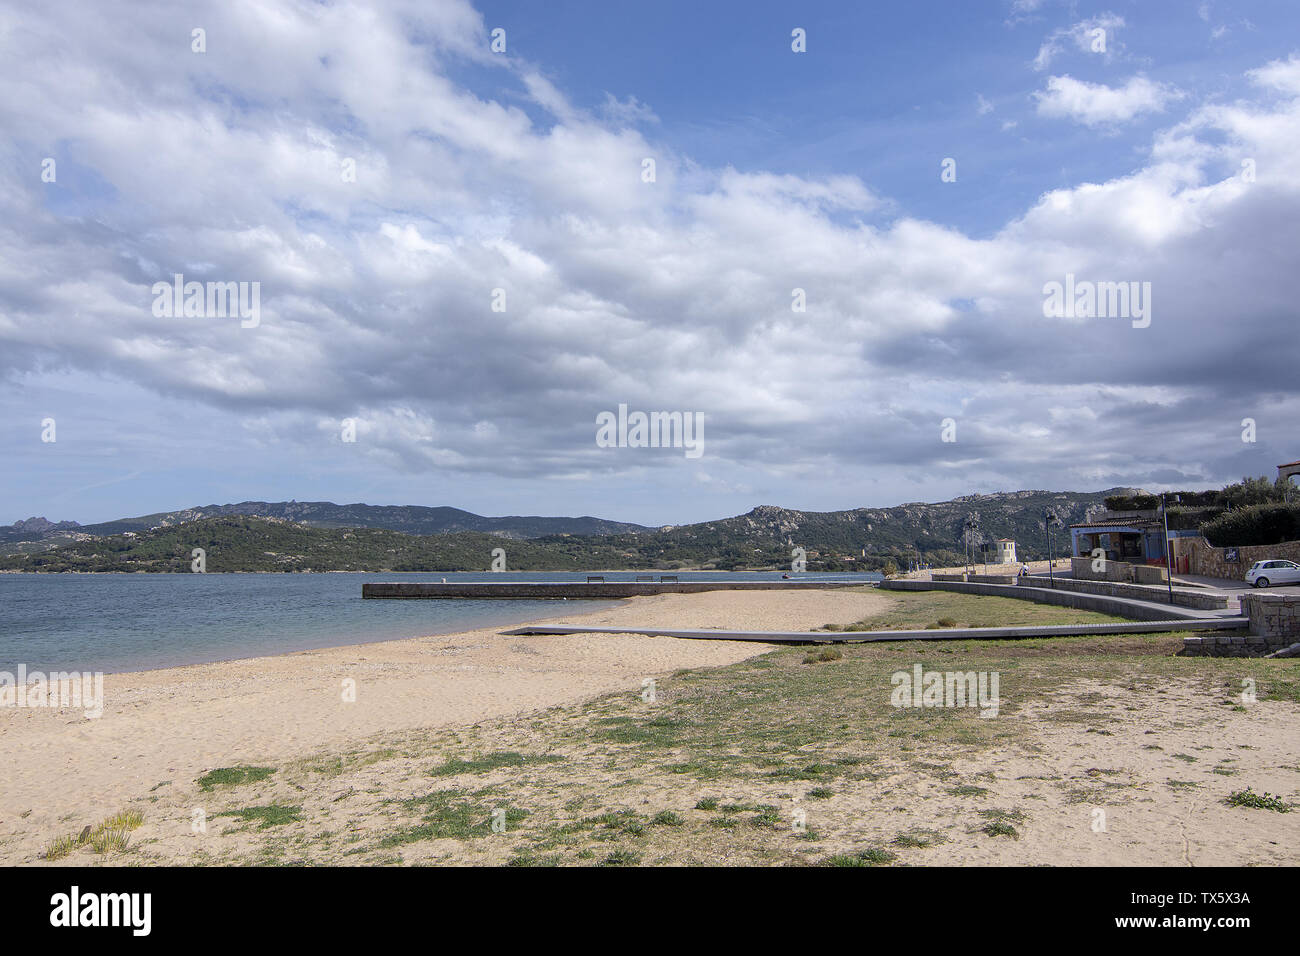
(557,726)
(176,723)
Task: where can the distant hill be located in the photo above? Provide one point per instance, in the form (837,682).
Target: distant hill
(410,519)
(325,537)
(930,532)
(241,543)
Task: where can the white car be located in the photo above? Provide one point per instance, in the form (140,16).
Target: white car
(1264,573)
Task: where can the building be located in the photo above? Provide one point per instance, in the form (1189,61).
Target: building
(1289,470)
(1137,538)
(1004,552)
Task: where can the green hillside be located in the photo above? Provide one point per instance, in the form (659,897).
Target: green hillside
(763,538)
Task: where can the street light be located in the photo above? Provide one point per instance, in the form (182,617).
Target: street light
(968,526)
(1169,552)
(1048,520)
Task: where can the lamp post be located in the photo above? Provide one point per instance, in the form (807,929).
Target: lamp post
(968,527)
(1048,518)
(1169,552)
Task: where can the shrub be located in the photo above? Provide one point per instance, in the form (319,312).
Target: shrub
(1258,801)
(1254,525)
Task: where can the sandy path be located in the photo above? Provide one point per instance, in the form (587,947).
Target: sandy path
(176,723)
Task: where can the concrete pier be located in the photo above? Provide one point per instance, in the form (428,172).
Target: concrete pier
(574,590)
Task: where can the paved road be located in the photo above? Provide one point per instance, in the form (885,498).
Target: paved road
(1227,584)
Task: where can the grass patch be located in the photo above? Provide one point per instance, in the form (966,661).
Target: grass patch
(920,839)
(447,815)
(109,840)
(528,859)
(873,856)
(996,828)
(110,835)
(454,766)
(60,847)
(233,777)
(271,815)
(621,857)
(1257,801)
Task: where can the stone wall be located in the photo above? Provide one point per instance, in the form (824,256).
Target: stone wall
(1149,574)
(1213,562)
(1274,624)
(1119,607)
(977,578)
(1184,597)
(1120,572)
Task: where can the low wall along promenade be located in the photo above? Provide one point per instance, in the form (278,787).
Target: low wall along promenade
(1119,572)
(1274,625)
(1214,563)
(1146,610)
(1184,597)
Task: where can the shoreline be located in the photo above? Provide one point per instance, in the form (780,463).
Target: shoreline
(168,726)
(282,652)
(568,571)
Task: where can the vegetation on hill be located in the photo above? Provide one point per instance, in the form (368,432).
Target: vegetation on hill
(261,544)
(412,519)
(763,538)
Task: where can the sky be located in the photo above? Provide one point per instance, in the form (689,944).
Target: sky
(826,233)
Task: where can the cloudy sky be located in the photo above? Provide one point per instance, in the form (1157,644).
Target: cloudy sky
(462,251)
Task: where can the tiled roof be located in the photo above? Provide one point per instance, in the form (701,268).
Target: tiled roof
(1119,523)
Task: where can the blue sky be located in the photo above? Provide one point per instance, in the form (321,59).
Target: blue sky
(887,88)
(521,171)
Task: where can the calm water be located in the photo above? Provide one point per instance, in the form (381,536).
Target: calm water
(127,622)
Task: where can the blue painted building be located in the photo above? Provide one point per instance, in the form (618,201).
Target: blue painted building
(1137,540)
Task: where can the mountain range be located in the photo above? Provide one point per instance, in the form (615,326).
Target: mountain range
(324,536)
(408,519)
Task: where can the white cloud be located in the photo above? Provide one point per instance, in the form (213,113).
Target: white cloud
(1096,36)
(1095,104)
(672,295)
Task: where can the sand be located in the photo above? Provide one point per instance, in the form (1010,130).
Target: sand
(1158,759)
(176,723)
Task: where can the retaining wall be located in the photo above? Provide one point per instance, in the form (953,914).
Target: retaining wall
(1119,572)
(1274,624)
(1214,563)
(1104,604)
(1183,598)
